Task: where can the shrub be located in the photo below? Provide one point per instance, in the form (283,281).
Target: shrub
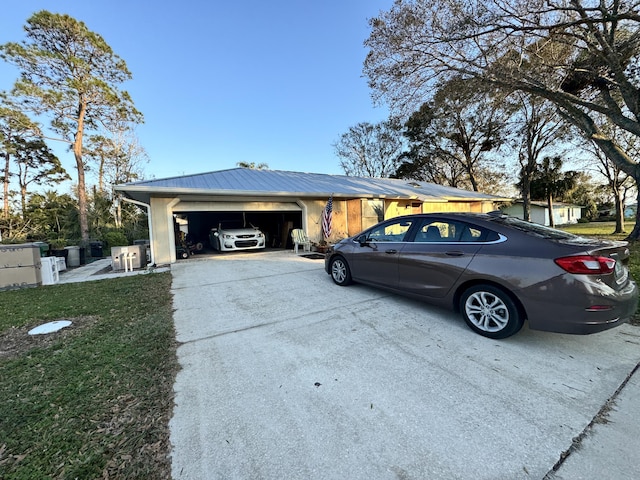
(115,238)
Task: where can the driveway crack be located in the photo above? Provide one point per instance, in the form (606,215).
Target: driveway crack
(599,418)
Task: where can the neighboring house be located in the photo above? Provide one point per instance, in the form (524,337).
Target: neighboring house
(563,213)
(630,210)
(278,201)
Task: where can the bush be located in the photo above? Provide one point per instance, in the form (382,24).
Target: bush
(115,238)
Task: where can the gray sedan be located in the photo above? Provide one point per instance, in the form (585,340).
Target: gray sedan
(497,271)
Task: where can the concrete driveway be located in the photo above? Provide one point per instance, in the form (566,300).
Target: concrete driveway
(288,376)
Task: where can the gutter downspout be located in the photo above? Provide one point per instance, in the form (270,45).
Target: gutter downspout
(148,208)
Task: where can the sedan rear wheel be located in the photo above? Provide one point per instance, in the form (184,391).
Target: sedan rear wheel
(490,311)
(340,272)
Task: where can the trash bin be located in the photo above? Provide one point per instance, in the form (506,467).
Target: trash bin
(96,249)
(73,256)
(83,256)
(44,248)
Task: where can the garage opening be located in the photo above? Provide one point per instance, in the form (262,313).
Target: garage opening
(194,228)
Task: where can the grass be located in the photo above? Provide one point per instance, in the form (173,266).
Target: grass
(93,400)
(596,229)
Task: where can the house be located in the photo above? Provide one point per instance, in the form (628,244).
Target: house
(630,210)
(278,201)
(563,213)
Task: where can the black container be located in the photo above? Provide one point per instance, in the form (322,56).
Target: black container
(96,249)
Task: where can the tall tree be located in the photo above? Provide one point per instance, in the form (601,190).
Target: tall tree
(370,150)
(536,128)
(118,156)
(618,183)
(456,131)
(14,126)
(550,182)
(588,194)
(36,164)
(71,74)
(581,55)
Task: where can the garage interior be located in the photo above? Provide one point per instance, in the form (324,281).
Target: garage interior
(276,226)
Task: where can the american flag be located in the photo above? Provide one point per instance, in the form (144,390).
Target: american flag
(327,213)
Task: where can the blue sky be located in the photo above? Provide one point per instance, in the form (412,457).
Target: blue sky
(273,82)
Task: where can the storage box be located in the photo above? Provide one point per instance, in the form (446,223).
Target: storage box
(20,277)
(21,255)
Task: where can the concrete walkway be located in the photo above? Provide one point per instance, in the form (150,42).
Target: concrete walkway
(96,271)
(286,375)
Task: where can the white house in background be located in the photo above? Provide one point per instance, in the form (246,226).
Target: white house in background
(563,213)
(630,210)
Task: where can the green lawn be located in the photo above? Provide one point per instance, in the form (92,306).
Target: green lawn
(597,229)
(92,400)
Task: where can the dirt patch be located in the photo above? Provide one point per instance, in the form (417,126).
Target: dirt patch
(17,341)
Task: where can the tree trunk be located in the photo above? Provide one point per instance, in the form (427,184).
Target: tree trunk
(619,212)
(7,167)
(526,195)
(118,211)
(635,233)
(552,222)
(23,198)
(82,190)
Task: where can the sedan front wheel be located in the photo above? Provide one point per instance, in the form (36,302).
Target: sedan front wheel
(490,311)
(340,273)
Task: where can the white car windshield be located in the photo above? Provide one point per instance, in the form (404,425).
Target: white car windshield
(232,225)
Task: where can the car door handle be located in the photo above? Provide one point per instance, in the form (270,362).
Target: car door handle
(391,251)
(454,253)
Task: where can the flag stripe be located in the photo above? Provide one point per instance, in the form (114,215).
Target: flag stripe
(327,215)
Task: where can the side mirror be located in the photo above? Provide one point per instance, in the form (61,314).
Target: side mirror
(363,240)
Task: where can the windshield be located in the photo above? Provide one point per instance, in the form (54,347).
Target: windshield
(232,225)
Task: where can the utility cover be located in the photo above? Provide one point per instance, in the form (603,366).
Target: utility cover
(49,327)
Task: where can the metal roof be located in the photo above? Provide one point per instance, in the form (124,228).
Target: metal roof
(276,183)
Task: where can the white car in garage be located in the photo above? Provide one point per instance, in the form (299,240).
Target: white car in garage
(230,236)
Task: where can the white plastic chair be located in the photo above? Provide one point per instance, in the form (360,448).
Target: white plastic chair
(300,238)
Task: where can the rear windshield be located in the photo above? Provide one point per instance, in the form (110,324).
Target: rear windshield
(536,229)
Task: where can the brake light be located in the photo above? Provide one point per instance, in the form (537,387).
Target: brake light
(586,264)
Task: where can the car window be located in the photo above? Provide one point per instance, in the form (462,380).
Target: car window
(536,229)
(453,231)
(390,232)
(441,231)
